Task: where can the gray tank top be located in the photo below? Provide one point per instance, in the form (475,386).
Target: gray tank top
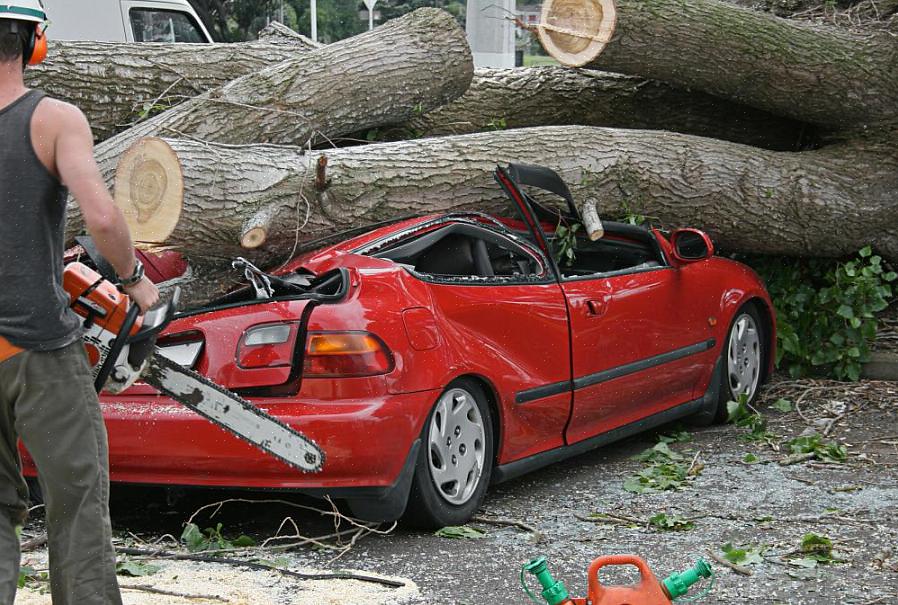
(34,308)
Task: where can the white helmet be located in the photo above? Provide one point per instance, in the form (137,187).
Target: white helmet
(24,10)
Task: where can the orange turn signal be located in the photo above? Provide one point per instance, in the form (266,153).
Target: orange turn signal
(346,354)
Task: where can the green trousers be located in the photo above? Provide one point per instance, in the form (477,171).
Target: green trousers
(47,399)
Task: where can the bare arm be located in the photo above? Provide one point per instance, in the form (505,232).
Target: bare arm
(78,171)
(104,220)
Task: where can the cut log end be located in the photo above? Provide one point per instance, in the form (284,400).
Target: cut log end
(589,212)
(574,32)
(254,238)
(149,189)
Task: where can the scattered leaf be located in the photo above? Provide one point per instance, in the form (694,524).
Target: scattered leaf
(670,523)
(783,405)
(743,555)
(459,531)
(135,569)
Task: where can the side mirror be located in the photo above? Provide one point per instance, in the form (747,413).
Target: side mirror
(691,245)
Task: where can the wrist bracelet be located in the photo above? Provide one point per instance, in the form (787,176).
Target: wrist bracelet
(136,277)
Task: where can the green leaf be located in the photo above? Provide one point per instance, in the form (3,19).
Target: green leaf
(456,532)
(865,252)
(634,485)
(135,569)
(26,574)
(676,437)
(660,452)
(243,541)
(743,555)
(845,311)
(193,538)
(782,405)
(664,522)
(750,459)
(804,562)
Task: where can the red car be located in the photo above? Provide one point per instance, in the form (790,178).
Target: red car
(434,356)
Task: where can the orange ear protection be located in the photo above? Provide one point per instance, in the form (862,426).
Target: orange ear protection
(36,51)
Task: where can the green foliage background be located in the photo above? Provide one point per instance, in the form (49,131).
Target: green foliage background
(826,311)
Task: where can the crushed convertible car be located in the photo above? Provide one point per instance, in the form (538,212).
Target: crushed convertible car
(433,356)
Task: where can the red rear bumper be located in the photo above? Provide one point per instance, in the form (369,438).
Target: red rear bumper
(153,440)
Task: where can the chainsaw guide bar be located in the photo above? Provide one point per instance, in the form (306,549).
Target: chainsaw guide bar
(233,413)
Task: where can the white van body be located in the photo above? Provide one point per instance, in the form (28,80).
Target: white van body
(125,21)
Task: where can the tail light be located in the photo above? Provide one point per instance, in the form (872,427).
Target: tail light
(346,354)
(327,354)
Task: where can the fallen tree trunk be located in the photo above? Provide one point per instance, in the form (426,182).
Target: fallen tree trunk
(410,65)
(117,84)
(555,96)
(814,74)
(278,33)
(828,202)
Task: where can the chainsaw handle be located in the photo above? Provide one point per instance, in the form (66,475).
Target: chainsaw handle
(157,319)
(121,339)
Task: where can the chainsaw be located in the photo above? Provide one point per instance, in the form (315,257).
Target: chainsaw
(121,348)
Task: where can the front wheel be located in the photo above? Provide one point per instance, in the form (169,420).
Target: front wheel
(745,355)
(456,458)
(739,369)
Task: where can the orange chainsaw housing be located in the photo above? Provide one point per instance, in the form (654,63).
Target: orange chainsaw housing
(648,591)
(97,301)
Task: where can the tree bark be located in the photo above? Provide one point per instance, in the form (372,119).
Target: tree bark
(408,66)
(116,84)
(278,33)
(827,202)
(555,96)
(809,73)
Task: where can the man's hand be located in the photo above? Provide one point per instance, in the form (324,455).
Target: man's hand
(144,294)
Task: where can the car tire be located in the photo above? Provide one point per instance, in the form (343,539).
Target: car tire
(455,460)
(740,367)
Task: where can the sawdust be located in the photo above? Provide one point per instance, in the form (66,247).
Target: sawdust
(214,584)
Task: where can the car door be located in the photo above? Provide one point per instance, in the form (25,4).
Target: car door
(636,348)
(639,344)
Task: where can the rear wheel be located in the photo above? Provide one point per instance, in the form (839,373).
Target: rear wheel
(455,461)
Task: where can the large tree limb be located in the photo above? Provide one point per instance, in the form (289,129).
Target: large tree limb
(410,65)
(827,202)
(550,96)
(814,74)
(115,84)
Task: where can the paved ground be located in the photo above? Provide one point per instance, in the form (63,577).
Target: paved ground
(766,506)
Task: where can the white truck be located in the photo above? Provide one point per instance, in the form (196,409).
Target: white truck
(125,21)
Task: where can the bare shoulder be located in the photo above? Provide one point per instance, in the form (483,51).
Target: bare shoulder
(59,116)
(58,128)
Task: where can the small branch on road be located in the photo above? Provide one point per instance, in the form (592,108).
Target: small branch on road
(797,458)
(535,533)
(34,543)
(172,593)
(163,554)
(611,518)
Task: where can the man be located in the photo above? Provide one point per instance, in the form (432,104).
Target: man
(46,392)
